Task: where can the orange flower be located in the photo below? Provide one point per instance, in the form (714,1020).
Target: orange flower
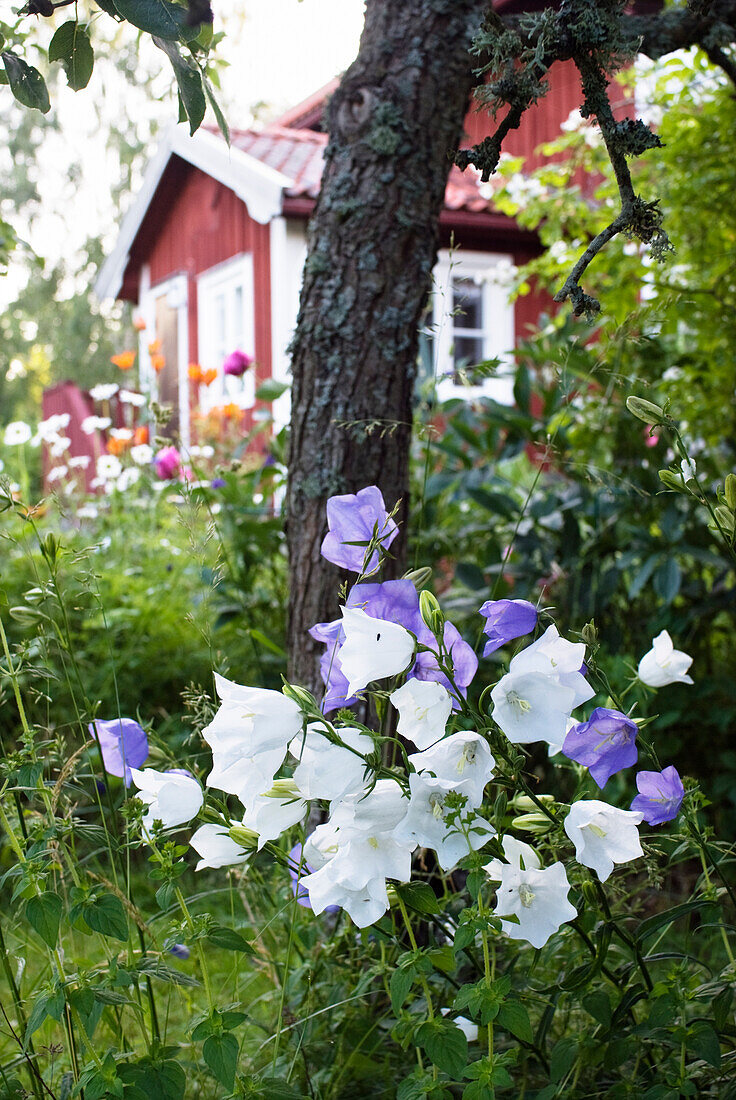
(208,376)
(154,347)
(139,323)
(117,446)
(158,362)
(124,359)
(140,435)
(231,411)
(195,372)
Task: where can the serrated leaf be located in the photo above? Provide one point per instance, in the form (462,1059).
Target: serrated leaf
(220,1052)
(72,47)
(514,1018)
(445,1046)
(562,1058)
(189,81)
(26,83)
(418,896)
(399,986)
(704,1042)
(43,913)
(106,915)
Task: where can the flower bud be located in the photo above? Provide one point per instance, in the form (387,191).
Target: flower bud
(589,893)
(723,515)
(419,577)
(533,823)
(301,697)
(646,410)
(246,838)
(730,489)
(589,634)
(283,788)
(431,613)
(393,897)
(527,805)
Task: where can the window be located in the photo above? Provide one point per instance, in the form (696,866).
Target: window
(472,322)
(226,324)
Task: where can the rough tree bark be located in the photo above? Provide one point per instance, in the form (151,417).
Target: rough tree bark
(394,124)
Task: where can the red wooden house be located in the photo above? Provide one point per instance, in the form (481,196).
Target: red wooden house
(212,251)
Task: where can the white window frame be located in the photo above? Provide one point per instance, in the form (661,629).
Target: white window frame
(176,290)
(226,278)
(491,270)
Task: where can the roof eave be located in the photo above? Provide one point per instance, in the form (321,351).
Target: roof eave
(261,189)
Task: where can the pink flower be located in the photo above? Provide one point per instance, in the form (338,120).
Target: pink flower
(237,363)
(168,463)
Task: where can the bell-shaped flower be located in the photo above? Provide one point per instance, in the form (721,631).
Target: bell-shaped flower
(664,664)
(538,898)
(373,649)
(245,776)
(123,744)
(506,620)
(438,818)
(270,814)
(329,770)
(171,797)
(660,795)
(216,847)
(365,905)
(355,521)
(603,835)
(605,744)
(468,1028)
(518,854)
(424,707)
(252,719)
(463,760)
(558,658)
(532,706)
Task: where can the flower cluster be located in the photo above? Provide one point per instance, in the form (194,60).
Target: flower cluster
(281,756)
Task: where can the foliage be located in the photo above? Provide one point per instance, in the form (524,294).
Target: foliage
(139,980)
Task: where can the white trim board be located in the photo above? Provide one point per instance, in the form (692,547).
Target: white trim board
(260,188)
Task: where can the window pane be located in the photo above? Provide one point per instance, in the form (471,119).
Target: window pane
(467,304)
(468,351)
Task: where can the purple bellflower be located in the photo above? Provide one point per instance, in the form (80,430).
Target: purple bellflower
(396,602)
(298,868)
(660,795)
(605,744)
(356,518)
(123,744)
(506,620)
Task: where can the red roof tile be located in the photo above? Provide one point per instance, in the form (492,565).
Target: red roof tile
(299,155)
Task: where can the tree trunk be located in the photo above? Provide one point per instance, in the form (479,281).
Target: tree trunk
(394,124)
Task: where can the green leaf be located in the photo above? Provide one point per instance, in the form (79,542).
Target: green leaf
(26,83)
(399,986)
(562,1058)
(106,915)
(44,914)
(220,1052)
(704,1042)
(666,581)
(228,938)
(418,896)
(495,503)
(159,17)
(445,1046)
(514,1018)
(71,45)
(271,389)
(189,80)
(212,100)
(661,920)
(599,1006)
